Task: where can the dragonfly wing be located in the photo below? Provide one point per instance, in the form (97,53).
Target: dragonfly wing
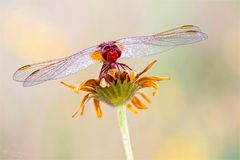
(37,73)
(184,28)
(149,45)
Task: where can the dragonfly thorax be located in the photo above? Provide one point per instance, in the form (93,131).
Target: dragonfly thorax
(110,51)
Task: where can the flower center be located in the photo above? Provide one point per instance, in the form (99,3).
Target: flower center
(118,92)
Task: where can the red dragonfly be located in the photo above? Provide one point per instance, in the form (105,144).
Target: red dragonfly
(108,53)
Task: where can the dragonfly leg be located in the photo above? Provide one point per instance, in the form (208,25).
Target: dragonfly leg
(117,67)
(124,65)
(105,67)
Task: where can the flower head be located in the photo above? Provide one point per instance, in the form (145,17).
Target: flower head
(116,88)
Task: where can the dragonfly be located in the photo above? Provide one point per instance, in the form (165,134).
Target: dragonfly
(108,54)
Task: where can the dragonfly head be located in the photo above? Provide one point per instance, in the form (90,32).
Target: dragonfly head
(110,51)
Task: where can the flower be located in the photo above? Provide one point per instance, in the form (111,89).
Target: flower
(116,88)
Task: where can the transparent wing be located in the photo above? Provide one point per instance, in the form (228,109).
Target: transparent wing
(149,45)
(37,73)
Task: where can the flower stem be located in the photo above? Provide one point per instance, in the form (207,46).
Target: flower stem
(122,117)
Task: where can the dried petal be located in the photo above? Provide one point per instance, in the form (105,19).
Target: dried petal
(91,83)
(87,89)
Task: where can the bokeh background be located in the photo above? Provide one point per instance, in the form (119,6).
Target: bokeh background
(195,116)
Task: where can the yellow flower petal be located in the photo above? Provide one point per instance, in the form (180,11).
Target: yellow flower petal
(75,88)
(68,85)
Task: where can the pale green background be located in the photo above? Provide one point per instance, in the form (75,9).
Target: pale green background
(195,116)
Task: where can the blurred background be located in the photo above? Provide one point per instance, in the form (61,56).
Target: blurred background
(195,116)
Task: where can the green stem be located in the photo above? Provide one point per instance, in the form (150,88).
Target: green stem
(122,117)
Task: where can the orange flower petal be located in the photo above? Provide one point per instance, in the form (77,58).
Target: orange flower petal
(152,78)
(146,69)
(150,84)
(130,107)
(81,106)
(97,107)
(137,102)
(144,97)
(161,78)
(132,75)
(112,73)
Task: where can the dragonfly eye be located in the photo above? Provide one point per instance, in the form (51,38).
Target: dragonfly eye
(112,55)
(119,52)
(111,52)
(104,55)
(106,47)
